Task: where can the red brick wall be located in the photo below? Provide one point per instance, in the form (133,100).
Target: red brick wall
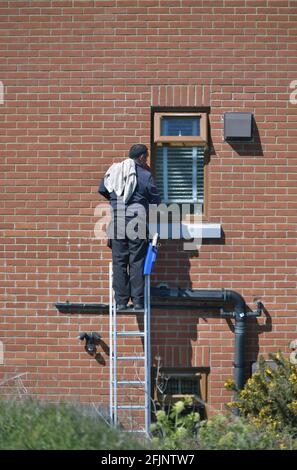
(79,80)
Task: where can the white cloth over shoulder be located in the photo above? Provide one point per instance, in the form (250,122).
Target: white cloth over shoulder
(121,178)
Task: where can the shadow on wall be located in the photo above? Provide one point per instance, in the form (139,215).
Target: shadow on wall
(173,330)
(243,148)
(249,149)
(173,264)
(255,327)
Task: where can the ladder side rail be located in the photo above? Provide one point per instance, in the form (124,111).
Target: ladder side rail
(147,353)
(110,346)
(115,357)
(145,350)
(149,357)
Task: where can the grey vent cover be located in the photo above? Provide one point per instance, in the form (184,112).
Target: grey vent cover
(238,126)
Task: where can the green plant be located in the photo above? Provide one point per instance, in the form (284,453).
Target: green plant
(235,433)
(29,424)
(177,428)
(269,397)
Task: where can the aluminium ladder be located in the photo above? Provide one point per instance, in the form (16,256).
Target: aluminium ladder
(114,358)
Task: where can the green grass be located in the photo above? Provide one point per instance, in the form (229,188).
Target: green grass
(29,424)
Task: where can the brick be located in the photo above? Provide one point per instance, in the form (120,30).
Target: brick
(78,94)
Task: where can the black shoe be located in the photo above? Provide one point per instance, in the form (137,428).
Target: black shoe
(121,307)
(138,307)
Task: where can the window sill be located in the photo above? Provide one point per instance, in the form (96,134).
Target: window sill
(188,230)
(203,230)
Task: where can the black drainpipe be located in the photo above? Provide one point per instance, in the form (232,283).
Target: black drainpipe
(239,331)
(219,298)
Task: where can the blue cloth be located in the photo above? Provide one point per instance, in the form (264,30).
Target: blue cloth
(145,192)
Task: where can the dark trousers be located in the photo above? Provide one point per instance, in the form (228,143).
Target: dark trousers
(128,255)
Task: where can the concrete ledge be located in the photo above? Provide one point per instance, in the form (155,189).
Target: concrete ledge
(187,231)
(203,230)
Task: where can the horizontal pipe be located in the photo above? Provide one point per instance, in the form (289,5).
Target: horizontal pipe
(213,298)
(210,299)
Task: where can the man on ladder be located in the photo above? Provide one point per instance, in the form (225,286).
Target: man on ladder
(130,188)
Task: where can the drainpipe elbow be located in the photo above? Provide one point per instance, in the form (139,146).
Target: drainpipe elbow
(238,302)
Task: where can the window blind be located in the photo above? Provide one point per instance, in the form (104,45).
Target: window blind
(180,174)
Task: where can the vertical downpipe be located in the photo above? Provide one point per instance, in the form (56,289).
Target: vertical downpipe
(240,328)
(240,332)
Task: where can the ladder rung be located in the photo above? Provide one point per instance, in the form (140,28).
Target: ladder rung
(131,358)
(128,407)
(130,310)
(130,333)
(134,430)
(130,382)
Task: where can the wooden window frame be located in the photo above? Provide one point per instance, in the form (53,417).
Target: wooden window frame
(159,139)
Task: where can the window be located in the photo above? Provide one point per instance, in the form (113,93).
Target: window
(179,174)
(183,385)
(174,128)
(172,384)
(180,126)
(180,156)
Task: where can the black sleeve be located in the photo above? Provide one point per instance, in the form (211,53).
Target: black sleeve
(103,191)
(153,195)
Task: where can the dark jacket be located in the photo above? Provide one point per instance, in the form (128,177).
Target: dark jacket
(145,192)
